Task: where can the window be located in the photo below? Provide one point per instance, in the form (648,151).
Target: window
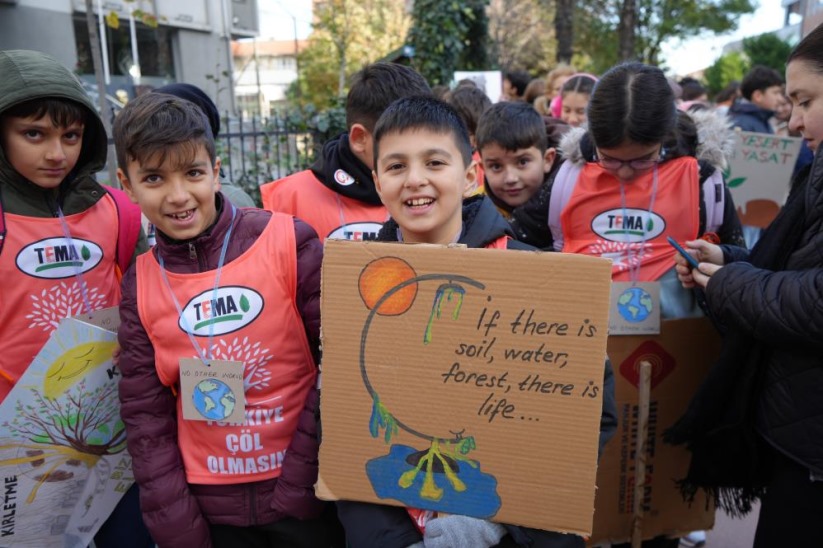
(153,47)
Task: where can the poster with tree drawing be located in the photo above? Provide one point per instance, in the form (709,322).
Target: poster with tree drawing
(63,459)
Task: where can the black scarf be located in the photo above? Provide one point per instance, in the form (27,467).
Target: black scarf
(728,457)
(337,155)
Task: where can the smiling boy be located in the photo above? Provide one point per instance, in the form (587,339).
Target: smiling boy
(423,166)
(511,138)
(228,288)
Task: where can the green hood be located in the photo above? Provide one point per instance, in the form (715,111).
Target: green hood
(27,75)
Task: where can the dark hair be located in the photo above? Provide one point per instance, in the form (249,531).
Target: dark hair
(378,85)
(581,83)
(759,78)
(150,126)
(197,96)
(62,112)
(518,79)
(631,102)
(692,89)
(810,49)
(729,92)
(427,113)
(470,103)
(513,126)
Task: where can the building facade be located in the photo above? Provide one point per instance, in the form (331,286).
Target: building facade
(157,41)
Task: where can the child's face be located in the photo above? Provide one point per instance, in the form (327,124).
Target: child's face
(177,195)
(574,108)
(515,175)
(420,177)
(629,160)
(39,151)
(768,98)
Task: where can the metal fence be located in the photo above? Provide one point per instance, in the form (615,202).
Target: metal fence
(255,151)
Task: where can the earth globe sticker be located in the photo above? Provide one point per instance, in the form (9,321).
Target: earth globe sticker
(213,399)
(634,304)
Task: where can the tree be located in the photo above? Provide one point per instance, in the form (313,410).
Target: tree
(347,34)
(523,35)
(564,30)
(440,35)
(656,21)
(728,68)
(767,50)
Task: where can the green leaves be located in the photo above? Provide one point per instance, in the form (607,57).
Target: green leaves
(448,37)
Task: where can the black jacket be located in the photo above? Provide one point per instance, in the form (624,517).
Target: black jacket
(782,306)
(369,525)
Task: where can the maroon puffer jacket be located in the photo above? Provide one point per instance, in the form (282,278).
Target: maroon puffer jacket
(178,513)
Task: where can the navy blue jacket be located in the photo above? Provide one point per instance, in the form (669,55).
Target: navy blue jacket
(750,117)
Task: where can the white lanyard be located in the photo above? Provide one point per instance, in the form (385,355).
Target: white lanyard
(631,257)
(204,356)
(78,268)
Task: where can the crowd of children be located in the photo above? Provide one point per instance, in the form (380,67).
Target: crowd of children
(410,168)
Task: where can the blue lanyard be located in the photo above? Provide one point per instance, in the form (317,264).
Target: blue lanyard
(634,269)
(204,356)
(78,269)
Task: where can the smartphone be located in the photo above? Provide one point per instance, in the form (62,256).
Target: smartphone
(691,260)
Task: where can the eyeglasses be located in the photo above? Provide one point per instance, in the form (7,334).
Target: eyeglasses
(613,164)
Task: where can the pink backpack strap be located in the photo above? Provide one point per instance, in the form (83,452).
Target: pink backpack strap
(130,224)
(562,188)
(714,201)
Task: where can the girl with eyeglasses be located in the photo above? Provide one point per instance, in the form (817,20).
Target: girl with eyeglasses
(642,171)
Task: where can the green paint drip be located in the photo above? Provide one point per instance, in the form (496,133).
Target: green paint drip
(444,292)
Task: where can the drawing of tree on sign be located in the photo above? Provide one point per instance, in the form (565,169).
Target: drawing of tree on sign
(64,423)
(440,475)
(65,435)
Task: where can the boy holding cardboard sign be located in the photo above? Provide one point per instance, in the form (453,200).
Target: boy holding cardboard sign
(422,168)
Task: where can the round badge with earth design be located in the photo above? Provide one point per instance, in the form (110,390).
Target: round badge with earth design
(635,304)
(213,399)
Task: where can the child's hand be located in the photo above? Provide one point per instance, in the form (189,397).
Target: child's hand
(462,532)
(115,356)
(710,257)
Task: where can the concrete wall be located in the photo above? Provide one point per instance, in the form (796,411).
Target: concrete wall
(25,27)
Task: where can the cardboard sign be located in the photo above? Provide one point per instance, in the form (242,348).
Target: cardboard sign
(63,459)
(466,381)
(680,356)
(759,174)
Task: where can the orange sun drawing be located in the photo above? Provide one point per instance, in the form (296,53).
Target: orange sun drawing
(379,276)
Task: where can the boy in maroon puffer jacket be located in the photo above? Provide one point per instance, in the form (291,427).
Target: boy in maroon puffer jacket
(225,294)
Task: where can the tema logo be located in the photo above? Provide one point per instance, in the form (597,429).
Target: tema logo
(234,307)
(629,225)
(56,258)
(356,231)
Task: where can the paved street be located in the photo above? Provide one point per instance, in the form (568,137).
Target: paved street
(732,533)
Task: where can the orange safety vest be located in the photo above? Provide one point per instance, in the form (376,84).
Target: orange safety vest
(330,214)
(40,288)
(254,320)
(594,221)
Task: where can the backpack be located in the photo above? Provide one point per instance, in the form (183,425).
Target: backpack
(714,198)
(130,225)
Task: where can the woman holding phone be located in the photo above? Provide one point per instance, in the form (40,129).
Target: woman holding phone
(755,427)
